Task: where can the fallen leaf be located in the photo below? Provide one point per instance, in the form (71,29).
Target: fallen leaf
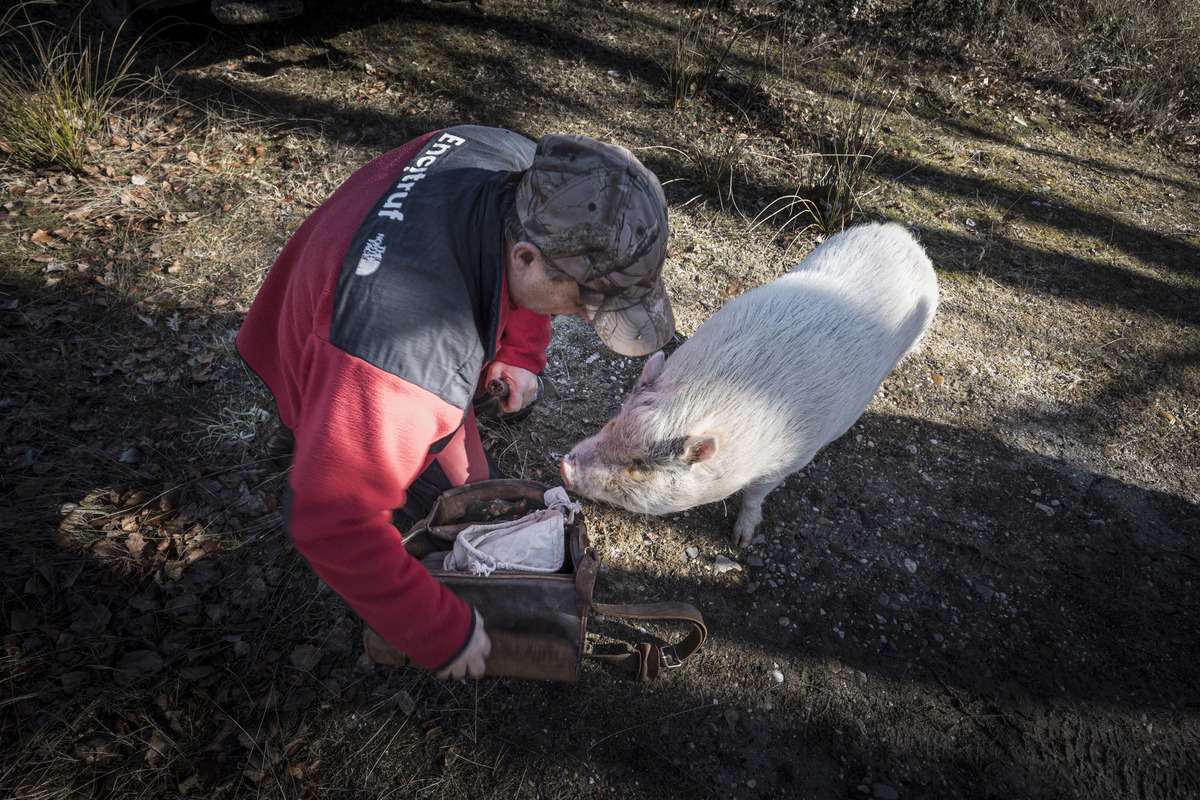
(20,621)
(136,666)
(298,699)
(305,657)
(158,748)
(108,549)
(1168,416)
(93,620)
(134,543)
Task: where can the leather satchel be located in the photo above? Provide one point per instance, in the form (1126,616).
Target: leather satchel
(538,621)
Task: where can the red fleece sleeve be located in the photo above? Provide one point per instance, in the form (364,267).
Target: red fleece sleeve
(524,339)
(363,439)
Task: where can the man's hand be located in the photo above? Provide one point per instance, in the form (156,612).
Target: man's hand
(470,660)
(522,385)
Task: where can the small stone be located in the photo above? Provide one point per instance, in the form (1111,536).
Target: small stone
(754,561)
(834,665)
(778,676)
(910,565)
(882,791)
(884,599)
(723,565)
(692,552)
(784,622)
(985,592)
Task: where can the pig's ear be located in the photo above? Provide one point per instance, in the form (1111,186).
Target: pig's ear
(653,367)
(699,448)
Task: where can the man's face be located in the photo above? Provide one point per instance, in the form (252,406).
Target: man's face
(541,290)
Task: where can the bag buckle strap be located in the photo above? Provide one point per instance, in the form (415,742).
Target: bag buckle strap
(666,658)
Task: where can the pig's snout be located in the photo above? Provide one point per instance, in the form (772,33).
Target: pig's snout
(567,469)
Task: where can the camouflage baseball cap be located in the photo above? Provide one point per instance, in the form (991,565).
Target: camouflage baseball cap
(598,215)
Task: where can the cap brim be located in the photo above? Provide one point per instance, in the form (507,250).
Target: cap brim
(635,326)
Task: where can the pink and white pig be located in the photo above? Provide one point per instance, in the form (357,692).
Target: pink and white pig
(769,380)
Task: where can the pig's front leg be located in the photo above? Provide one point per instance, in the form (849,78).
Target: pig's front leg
(751,513)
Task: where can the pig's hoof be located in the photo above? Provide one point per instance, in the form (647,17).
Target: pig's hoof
(742,534)
(746,523)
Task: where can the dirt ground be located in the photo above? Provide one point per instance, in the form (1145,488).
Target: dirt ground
(985,589)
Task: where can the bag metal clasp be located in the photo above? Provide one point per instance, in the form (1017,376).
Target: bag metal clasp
(673,654)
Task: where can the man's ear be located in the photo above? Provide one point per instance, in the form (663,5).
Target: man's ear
(699,448)
(523,254)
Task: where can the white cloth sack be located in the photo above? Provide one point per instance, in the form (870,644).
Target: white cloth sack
(533,543)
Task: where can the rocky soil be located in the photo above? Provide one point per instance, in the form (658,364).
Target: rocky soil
(985,589)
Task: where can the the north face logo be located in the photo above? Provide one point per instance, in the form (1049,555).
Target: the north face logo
(372,255)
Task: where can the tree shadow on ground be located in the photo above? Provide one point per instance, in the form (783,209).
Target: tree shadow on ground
(1043,597)
(1095,566)
(1064,599)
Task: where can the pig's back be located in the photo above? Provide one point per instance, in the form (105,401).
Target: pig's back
(804,354)
(876,278)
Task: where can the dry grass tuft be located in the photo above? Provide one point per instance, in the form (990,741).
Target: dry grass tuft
(58,90)
(834,176)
